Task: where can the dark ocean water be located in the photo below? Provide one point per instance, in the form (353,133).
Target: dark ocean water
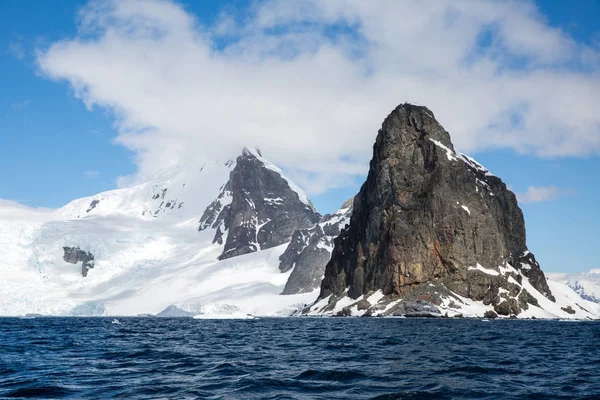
(299,358)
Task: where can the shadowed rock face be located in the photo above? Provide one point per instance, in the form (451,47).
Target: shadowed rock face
(256,209)
(426,213)
(74,255)
(310,250)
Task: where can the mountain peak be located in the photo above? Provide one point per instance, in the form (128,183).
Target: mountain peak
(431,224)
(414,108)
(257,208)
(413,124)
(252,152)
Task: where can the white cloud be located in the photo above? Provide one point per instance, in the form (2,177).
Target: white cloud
(91,174)
(12,209)
(287,79)
(11,204)
(537,194)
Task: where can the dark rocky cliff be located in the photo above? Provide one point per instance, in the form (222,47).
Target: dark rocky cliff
(429,223)
(256,209)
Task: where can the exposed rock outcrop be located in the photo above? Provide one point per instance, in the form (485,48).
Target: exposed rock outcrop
(310,250)
(93,205)
(257,208)
(418,308)
(74,255)
(431,224)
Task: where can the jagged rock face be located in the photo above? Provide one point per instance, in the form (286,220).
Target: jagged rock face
(310,250)
(256,209)
(426,214)
(74,255)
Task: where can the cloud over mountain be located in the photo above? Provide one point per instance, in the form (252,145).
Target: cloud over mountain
(308,82)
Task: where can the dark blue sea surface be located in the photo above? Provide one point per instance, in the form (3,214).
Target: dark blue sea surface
(299,358)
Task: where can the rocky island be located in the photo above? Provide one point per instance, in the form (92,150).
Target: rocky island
(431,230)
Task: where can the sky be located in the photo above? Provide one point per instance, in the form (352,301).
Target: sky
(105,94)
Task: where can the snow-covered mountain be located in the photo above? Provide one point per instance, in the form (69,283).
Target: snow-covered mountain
(142,249)
(586,284)
(258,208)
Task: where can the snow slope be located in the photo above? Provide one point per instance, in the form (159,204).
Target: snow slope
(586,284)
(176,194)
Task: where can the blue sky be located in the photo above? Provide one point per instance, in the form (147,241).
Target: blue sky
(54,148)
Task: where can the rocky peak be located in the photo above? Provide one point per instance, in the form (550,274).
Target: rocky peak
(414,125)
(257,208)
(431,224)
(310,250)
